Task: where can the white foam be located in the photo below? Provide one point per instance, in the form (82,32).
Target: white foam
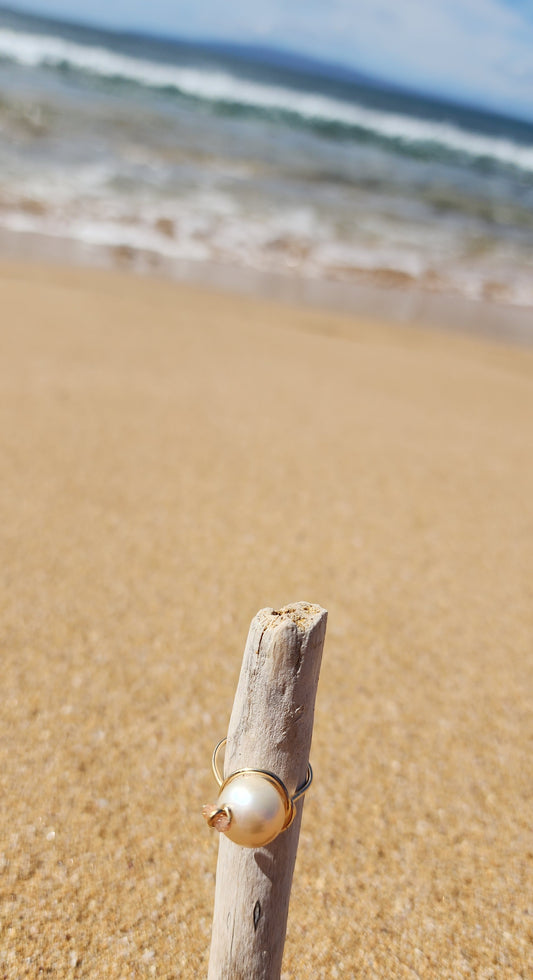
(35,50)
(105,234)
(215,226)
(244,242)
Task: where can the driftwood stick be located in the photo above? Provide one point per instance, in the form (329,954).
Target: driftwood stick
(270,728)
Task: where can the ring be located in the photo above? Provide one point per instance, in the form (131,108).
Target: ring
(253,805)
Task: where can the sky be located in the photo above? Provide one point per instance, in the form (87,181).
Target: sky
(477,51)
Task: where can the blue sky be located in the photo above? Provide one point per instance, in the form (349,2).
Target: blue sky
(474,50)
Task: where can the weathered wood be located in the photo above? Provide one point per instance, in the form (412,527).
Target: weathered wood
(270,728)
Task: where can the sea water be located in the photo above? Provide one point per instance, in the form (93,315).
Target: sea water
(161,153)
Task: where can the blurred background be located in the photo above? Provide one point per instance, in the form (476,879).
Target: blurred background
(335,153)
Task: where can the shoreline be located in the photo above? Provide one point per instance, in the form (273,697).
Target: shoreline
(410,305)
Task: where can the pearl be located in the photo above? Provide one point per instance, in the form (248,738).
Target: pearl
(258,808)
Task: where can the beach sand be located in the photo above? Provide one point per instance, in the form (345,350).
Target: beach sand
(173,460)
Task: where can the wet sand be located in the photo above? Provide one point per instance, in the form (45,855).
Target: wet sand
(174,459)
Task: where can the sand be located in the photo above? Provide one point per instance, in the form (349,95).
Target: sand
(175,459)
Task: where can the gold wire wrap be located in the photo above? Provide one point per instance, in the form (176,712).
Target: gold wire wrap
(221,781)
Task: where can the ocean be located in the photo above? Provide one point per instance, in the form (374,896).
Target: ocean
(180,158)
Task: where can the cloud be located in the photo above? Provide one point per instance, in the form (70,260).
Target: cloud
(480,49)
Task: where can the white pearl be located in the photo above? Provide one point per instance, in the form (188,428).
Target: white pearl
(258,809)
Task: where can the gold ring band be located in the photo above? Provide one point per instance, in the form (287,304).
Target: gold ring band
(221,781)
